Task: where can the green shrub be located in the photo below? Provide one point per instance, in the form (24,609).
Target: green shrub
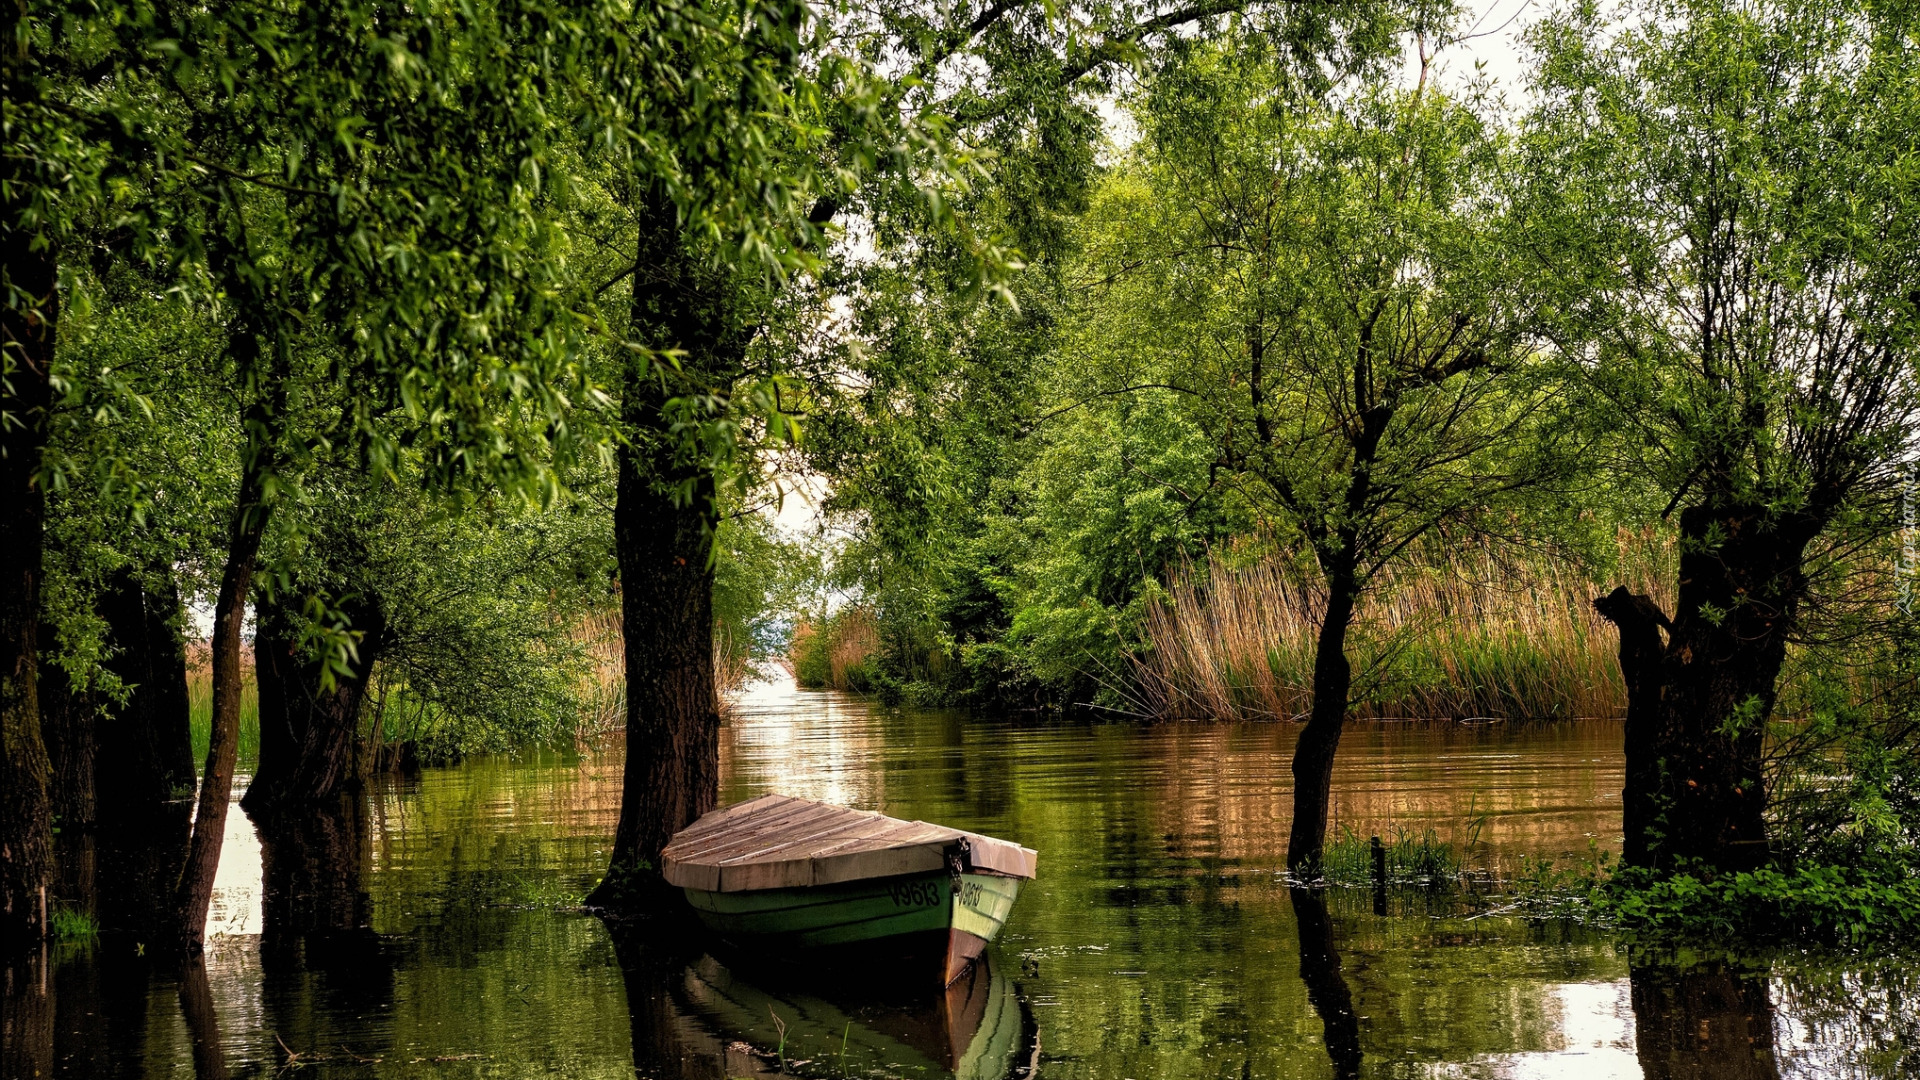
(1869,903)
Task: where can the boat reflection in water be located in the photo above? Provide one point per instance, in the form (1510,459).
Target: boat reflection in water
(706,1017)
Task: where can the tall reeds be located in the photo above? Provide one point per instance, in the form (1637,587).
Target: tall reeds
(1458,634)
(836,650)
(200,706)
(604,696)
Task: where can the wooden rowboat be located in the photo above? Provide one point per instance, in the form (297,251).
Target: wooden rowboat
(794,875)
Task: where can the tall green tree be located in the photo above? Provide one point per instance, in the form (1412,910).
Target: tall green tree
(352,192)
(1328,290)
(799,116)
(1735,184)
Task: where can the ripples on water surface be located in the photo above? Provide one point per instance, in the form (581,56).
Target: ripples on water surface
(434,936)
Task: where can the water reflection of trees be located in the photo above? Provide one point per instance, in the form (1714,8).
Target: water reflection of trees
(317,944)
(1708,1021)
(1850,1020)
(1326,986)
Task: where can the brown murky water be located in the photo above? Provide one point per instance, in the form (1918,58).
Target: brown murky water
(433,932)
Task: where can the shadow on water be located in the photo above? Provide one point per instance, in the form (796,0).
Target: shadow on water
(701,1017)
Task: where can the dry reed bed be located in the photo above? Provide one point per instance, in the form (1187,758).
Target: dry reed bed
(1467,635)
(603,696)
(836,651)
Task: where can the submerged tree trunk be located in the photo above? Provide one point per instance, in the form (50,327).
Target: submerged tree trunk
(27,338)
(145,753)
(673,728)
(1741,584)
(310,751)
(1697,708)
(1642,659)
(194,893)
(1320,739)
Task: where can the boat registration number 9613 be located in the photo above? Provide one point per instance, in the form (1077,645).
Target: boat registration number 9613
(915,894)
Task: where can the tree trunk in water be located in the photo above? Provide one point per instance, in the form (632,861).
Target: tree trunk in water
(27,338)
(1737,600)
(68,722)
(1320,739)
(1642,656)
(272,670)
(309,734)
(663,523)
(145,756)
(673,728)
(195,891)
(1327,988)
(1697,708)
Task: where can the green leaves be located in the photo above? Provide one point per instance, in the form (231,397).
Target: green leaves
(1731,186)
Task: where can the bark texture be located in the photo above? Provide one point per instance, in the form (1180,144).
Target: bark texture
(1697,706)
(664,519)
(29,312)
(673,729)
(310,744)
(68,723)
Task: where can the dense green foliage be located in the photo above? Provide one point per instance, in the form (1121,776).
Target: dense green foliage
(370,316)
(1298,341)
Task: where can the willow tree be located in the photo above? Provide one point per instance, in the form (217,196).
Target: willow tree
(1735,184)
(351,194)
(800,117)
(1325,288)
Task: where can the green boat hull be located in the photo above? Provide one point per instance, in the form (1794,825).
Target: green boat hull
(935,916)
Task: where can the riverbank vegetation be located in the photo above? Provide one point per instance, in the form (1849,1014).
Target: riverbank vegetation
(455,396)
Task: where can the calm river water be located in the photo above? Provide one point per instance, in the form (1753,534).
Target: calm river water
(435,936)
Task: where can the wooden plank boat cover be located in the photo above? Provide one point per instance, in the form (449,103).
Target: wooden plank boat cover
(780,842)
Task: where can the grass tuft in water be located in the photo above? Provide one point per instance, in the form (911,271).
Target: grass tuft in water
(1421,859)
(71,926)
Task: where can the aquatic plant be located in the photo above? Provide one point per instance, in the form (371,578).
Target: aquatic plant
(1410,858)
(68,924)
(1872,903)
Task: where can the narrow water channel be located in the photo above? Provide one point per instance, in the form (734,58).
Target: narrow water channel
(433,933)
